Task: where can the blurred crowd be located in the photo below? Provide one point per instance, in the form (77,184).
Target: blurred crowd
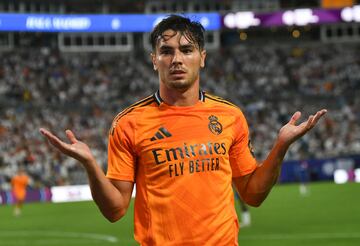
(84,91)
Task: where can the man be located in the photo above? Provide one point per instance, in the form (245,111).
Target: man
(19,183)
(302,171)
(183,148)
(245,213)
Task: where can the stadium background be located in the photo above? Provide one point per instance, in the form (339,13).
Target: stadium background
(81,80)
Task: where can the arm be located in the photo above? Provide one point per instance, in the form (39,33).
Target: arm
(111,196)
(255,187)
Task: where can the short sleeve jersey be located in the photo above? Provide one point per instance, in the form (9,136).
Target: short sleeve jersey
(182,160)
(19,183)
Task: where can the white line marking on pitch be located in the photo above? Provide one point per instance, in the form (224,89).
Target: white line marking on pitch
(320,235)
(61,234)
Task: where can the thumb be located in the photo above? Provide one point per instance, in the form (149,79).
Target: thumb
(70,135)
(295,117)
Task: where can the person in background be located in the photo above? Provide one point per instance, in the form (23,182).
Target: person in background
(19,184)
(245,212)
(304,177)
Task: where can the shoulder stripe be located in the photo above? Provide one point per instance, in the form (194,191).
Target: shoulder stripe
(221,100)
(135,105)
(142,103)
(146,103)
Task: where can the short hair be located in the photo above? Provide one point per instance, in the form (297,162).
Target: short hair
(192,30)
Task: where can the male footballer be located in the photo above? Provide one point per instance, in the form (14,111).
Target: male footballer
(184,148)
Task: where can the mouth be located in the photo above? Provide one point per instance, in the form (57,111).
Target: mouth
(177,72)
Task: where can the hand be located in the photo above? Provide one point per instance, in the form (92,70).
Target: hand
(290,132)
(76,149)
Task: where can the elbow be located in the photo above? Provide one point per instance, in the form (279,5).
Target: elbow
(112,219)
(255,201)
(113,216)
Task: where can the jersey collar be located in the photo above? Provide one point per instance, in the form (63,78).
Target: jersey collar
(159,100)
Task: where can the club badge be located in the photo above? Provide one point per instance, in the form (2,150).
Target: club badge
(214,125)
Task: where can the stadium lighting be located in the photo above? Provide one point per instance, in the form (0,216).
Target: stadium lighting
(295,33)
(357,175)
(115,23)
(351,14)
(241,20)
(205,21)
(243,36)
(341,176)
(299,17)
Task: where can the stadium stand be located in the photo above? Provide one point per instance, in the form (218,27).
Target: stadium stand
(40,86)
(84,91)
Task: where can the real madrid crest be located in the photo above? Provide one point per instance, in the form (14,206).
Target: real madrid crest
(214,125)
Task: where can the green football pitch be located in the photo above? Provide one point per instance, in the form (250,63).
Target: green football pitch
(329,215)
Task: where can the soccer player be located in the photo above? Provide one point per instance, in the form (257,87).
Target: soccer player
(19,184)
(245,213)
(183,148)
(303,176)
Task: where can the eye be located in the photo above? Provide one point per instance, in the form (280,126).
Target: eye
(187,51)
(166,51)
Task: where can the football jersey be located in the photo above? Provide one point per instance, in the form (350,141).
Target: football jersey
(19,183)
(182,160)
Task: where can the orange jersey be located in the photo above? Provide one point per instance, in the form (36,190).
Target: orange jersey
(182,160)
(19,183)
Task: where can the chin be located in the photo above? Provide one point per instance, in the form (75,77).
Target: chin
(180,85)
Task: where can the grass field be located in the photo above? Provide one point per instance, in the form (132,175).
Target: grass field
(330,215)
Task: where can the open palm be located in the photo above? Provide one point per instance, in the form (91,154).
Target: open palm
(290,132)
(75,148)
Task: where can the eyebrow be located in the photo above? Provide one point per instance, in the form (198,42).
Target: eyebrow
(185,46)
(165,47)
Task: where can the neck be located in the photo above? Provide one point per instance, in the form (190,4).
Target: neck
(177,97)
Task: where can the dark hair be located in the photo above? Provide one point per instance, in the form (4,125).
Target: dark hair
(192,30)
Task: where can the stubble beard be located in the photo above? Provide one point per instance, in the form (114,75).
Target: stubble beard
(180,85)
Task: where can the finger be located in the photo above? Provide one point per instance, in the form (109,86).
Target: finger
(321,113)
(54,140)
(317,117)
(309,122)
(46,133)
(43,131)
(295,117)
(71,136)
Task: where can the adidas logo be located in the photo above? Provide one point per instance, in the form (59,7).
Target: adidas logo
(161,133)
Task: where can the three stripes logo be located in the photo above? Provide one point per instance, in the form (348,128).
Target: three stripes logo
(161,133)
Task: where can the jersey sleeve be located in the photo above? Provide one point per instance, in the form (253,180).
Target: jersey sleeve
(121,154)
(242,158)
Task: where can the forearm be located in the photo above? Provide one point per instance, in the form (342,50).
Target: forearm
(112,197)
(255,187)
(265,176)
(111,202)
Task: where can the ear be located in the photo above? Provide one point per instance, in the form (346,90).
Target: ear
(153,59)
(202,58)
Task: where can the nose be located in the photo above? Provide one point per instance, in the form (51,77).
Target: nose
(177,58)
